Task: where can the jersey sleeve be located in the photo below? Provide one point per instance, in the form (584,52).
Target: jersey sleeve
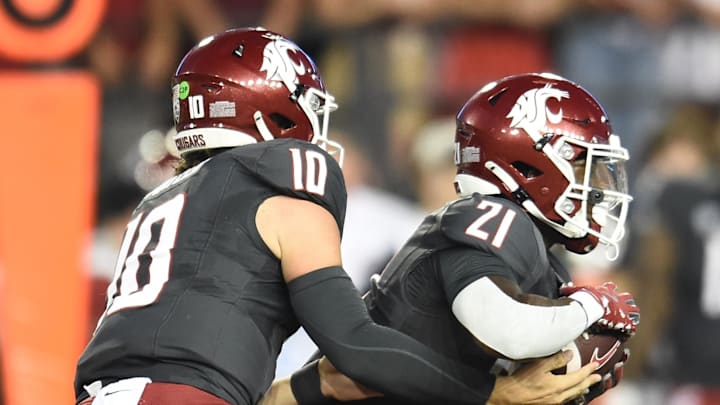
(300,170)
(501,233)
(459,267)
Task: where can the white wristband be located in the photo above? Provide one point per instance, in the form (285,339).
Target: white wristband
(593,309)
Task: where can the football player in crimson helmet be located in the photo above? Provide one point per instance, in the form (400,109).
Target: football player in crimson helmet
(221,263)
(249,86)
(537,164)
(545,143)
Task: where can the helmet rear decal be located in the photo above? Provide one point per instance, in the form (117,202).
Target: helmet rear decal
(176,103)
(469,154)
(183,90)
(195,141)
(222,109)
(196,107)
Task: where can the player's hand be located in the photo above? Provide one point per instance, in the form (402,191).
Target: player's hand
(608,381)
(534,383)
(620,312)
(337,385)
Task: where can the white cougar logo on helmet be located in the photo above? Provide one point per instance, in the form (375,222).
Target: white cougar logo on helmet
(530,111)
(279,65)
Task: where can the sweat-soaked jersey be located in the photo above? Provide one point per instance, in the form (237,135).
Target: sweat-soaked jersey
(197,297)
(467,239)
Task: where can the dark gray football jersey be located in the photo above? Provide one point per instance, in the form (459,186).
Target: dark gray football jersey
(197,297)
(467,239)
(691,213)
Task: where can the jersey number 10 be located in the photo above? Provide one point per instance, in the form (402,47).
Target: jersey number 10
(154,236)
(309,174)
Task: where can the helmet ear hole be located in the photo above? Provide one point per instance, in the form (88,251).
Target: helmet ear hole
(282,121)
(526,170)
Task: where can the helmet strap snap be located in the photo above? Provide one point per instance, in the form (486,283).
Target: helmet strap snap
(295,95)
(520,195)
(540,144)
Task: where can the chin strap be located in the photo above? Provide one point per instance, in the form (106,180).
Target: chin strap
(612,251)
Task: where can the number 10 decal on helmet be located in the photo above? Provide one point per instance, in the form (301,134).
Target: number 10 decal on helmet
(546,143)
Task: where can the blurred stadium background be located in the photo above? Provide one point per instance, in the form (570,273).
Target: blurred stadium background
(86,114)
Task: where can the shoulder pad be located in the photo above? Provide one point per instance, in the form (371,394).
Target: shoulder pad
(497,226)
(297,169)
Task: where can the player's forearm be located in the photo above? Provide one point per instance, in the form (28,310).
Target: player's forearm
(503,324)
(386,360)
(279,393)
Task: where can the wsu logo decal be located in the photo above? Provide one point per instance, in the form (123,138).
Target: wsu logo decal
(530,111)
(280,61)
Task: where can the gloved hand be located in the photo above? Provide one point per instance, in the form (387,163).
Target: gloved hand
(620,312)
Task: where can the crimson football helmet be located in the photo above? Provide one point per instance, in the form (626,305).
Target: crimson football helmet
(546,144)
(245,86)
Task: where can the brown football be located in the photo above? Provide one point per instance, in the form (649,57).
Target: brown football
(604,348)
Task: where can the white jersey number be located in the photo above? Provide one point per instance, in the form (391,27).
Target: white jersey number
(493,209)
(309,174)
(154,235)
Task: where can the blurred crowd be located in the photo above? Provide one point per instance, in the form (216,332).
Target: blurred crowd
(399,70)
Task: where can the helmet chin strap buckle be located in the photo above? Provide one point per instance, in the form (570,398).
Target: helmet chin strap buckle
(517,192)
(540,144)
(295,95)
(520,195)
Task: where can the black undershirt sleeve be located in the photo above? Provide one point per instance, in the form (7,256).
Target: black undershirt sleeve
(332,312)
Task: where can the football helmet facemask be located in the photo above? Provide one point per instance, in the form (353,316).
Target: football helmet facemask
(245,86)
(546,144)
